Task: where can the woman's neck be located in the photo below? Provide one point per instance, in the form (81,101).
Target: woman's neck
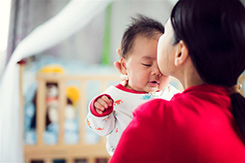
(189,77)
(191,80)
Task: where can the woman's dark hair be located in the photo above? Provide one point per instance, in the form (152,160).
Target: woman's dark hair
(140,26)
(214,32)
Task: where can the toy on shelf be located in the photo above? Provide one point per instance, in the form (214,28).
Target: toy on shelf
(52,99)
(72,94)
(52,102)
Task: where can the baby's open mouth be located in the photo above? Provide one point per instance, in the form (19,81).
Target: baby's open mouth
(154,83)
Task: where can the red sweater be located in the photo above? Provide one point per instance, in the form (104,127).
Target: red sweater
(195,126)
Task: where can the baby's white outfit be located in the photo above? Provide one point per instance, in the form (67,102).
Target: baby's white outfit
(113,124)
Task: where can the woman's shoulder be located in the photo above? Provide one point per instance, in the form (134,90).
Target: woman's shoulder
(158,107)
(152,107)
(193,102)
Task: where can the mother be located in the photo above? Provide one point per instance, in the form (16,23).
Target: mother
(204,47)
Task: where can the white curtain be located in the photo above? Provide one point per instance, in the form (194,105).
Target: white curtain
(73,17)
(76,15)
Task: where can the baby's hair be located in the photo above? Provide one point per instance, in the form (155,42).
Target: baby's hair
(140,26)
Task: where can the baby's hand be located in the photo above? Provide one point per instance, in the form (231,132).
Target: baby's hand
(102,103)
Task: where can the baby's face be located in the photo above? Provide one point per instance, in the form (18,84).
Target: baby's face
(141,66)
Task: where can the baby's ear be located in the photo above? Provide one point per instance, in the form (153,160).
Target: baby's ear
(123,67)
(117,64)
(119,52)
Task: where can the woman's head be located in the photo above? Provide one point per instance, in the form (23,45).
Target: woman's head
(206,41)
(214,33)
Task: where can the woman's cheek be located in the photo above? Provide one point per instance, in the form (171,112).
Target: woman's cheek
(164,82)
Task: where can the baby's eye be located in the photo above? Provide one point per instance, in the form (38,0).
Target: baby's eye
(147,65)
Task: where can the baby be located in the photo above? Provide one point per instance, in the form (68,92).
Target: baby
(110,113)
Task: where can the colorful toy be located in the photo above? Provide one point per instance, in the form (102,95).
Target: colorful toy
(52,101)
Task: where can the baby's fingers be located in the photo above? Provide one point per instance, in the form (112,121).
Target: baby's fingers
(99,111)
(102,103)
(107,100)
(99,108)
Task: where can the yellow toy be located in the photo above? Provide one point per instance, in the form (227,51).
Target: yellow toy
(72,94)
(54,69)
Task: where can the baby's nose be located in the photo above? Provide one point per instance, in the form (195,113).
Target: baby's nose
(157,72)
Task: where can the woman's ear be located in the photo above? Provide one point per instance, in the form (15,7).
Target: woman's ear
(182,53)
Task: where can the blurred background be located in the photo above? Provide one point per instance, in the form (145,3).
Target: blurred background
(60,39)
(100,35)
(65,44)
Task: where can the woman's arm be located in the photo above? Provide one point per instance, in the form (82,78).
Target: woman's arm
(138,142)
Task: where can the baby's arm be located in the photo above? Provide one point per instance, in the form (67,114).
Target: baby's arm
(100,118)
